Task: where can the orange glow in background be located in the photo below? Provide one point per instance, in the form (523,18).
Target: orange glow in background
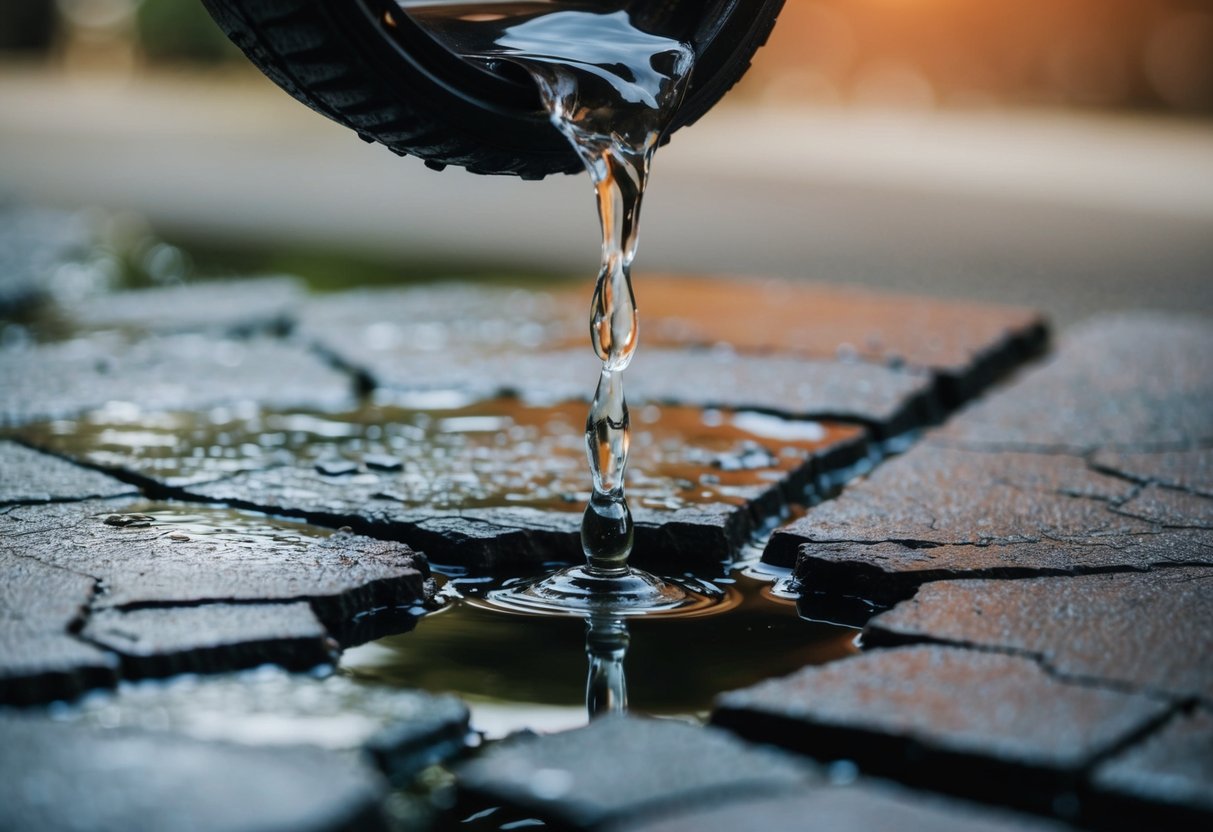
(1141,54)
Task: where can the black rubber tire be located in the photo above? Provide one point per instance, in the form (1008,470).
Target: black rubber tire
(337,57)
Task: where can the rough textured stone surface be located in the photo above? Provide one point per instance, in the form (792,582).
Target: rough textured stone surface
(1169,508)
(464,318)
(883,573)
(214,557)
(211,637)
(500,539)
(975,723)
(935,496)
(172,372)
(619,767)
(143,556)
(32,477)
(485,342)
(967,344)
(1137,381)
(890,401)
(1090,463)
(941,512)
(40,659)
(403,731)
(1141,631)
(65,777)
(33,244)
(220,307)
(1188,470)
(1163,781)
(862,807)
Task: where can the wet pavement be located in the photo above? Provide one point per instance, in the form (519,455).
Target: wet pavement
(246,535)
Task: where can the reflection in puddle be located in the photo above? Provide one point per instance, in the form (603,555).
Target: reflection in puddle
(231,527)
(530,672)
(606,646)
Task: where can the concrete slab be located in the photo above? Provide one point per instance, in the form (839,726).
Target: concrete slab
(34,477)
(221,307)
(152,562)
(60,777)
(618,768)
(1142,632)
(985,725)
(65,379)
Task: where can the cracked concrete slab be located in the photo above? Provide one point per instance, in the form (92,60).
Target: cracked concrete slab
(889,401)
(486,342)
(1169,508)
(60,777)
(34,477)
(211,637)
(401,730)
(698,491)
(1136,381)
(1166,780)
(966,344)
(499,484)
(1025,482)
(220,307)
(463,318)
(882,574)
(865,806)
(148,556)
(495,539)
(1187,470)
(177,554)
(618,768)
(986,725)
(933,496)
(940,512)
(1144,632)
(40,657)
(65,379)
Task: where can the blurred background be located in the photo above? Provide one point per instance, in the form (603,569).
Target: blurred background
(1056,153)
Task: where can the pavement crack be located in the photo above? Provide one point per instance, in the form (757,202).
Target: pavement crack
(885,639)
(1135,738)
(1146,518)
(50,564)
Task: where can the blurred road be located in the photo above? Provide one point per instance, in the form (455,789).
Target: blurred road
(1073,214)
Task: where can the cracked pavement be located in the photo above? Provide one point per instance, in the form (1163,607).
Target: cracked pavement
(1026,539)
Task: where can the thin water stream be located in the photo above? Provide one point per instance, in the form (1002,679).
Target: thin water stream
(612,89)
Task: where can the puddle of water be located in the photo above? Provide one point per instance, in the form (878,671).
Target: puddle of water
(527,671)
(233,528)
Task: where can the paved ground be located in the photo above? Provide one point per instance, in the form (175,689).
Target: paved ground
(1032,563)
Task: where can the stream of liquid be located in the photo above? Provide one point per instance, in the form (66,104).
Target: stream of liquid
(612,90)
